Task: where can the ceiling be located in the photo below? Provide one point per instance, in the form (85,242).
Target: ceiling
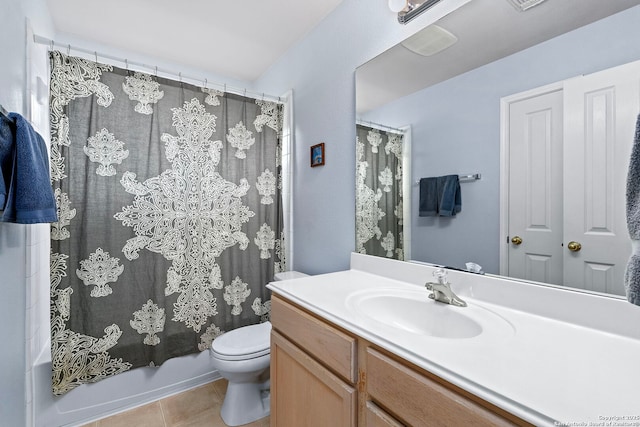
(487,30)
(238,39)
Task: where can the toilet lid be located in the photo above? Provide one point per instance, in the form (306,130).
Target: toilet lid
(247,342)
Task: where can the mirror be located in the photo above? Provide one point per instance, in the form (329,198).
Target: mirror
(451,101)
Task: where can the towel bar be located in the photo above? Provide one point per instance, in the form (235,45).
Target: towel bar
(463,178)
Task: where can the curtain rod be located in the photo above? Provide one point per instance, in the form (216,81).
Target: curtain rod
(379,126)
(155,69)
(3,111)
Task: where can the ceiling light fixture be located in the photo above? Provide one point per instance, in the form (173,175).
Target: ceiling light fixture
(413,8)
(397,5)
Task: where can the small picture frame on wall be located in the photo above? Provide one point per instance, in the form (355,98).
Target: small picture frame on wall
(317,155)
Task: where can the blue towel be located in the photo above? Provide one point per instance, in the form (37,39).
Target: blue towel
(449,193)
(29,196)
(428,205)
(632,274)
(440,196)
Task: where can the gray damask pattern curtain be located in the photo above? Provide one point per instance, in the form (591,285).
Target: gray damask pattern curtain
(379,192)
(170,217)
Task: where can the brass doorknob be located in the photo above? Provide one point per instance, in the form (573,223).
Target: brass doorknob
(574,246)
(516,240)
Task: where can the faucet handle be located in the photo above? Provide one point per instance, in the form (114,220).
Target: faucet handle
(441,275)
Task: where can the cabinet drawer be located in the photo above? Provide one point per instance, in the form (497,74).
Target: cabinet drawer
(419,400)
(332,347)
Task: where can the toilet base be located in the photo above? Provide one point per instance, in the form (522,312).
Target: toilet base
(245,403)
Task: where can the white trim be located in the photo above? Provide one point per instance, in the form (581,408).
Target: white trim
(505,105)
(30,313)
(287,157)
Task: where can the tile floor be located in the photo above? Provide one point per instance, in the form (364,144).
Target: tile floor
(198,407)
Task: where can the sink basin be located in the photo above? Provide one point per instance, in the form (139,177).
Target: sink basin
(412,311)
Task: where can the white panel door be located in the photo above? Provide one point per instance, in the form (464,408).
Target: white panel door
(535,188)
(600,116)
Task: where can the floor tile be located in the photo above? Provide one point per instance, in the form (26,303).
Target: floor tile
(221,387)
(145,416)
(216,421)
(197,404)
(208,418)
(199,407)
(263,422)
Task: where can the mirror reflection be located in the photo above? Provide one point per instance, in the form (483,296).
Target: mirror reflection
(493,91)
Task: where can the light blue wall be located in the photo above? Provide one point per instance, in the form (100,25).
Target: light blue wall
(456,129)
(320,69)
(13,237)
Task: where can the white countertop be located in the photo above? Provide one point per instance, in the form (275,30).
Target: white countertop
(547,369)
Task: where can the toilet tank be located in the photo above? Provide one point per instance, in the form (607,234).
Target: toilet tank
(288,275)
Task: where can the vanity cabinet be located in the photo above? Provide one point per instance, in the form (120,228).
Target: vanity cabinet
(313,376)
(324,376)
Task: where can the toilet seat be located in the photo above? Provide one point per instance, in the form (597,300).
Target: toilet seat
(243,343)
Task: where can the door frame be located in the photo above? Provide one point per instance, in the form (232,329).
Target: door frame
(505,106)
(407,188)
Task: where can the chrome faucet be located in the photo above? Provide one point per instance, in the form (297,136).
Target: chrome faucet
(441,291)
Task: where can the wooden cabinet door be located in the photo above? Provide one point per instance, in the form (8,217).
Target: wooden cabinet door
(376,417)
(304,393)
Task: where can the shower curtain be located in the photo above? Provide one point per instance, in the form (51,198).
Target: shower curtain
(170,217)
(379,192)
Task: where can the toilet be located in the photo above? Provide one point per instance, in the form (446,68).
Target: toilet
(242,357)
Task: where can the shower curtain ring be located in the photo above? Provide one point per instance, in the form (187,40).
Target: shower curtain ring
(68,49)
(126,64)
(156,71)
(180,76)
(95,52)
(205,83)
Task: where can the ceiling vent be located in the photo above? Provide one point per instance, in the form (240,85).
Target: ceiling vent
(522,5)
(430,40)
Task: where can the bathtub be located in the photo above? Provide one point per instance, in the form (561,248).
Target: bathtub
(136,387)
